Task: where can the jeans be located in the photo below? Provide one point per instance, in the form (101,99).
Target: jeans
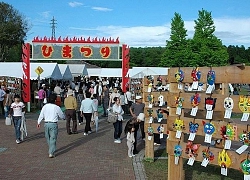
(51,132)
(17,123)
(7,112)
(2,107)
(118,129)
(88,117)
(105,107)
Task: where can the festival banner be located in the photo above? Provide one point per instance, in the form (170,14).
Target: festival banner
(26,72)
(125,67)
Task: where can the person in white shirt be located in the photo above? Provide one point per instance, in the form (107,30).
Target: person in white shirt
(112,96)
(50,113)
(128,100)
(130,140)
(16,110)
(117,109)
(98,92)
(87,109)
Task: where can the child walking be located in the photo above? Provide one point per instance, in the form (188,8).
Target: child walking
(95,117)
(130,140)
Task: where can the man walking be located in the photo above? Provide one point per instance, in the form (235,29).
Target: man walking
(50,114)
(98,92)
(70,113)
(105,100)
(2,94)
(87,109)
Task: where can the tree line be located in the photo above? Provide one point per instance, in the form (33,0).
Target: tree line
(203,49)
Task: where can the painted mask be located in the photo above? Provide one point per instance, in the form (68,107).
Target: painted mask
(223,159)
(192,149)
(228,103)
(211,77)
(160,129)
(210,103)
(179,124)
(195,100)
(245,166)
(244,138)
(193,127)
(196,74)
(177,151)
(206,153)
(179,101)
(209,128)
(244,104)
(227,132)
(179,76)
(150,131)
(150,112)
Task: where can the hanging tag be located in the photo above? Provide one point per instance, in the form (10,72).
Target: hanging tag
(161,103)
(208,138)
(149,88)
(245,117)
(150,105)
(176,160)
(149,138)
(161,135)
(195,85)
(246,177)
(228,114)
(223,171)
(205,162)
(209,114)
(151,120)
(180,86)
(178,111)
(210,88)
(228,143)
(178,134)
(191,136)
(242,149)
(191,161)
(194,111)
(159,119)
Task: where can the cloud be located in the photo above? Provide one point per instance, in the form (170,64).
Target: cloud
(45,14)
(101,9)
(75,4)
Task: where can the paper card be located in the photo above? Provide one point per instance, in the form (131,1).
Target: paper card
(195,85)
(210,89)
(149,138)
(227,144)
(178,134)
(161,135)
(242,149)
(194,111)
(208,138)
(180,86)
(245,117)
(191,136)
(161,103)
(150,105)
(178,111)
(159,119)
(176,160)
(223,171)
(246,177)
(205,162)
(209,115)
(227,114)
(191,161)
(151,120)
(149,89)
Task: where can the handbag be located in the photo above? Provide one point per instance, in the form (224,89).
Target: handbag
(8,121)
(112,118)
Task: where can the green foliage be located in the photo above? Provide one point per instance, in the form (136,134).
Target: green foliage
(13,30)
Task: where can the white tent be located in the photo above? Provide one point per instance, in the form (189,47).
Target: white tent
(77,69)
(94,71)
(143,73)
(66,73)
(111,72)
(139,72)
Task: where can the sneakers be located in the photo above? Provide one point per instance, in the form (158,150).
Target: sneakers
(80,124)
(89,132)
(51,156)
(18,141)
(157,144)
(117,141)
(85,134)
(130,156)
(133,155)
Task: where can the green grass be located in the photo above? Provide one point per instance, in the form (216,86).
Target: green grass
(158,170)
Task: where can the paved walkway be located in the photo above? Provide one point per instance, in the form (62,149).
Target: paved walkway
(77,157)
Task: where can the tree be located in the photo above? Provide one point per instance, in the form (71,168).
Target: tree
(207,49)
(177,48)
(13,29)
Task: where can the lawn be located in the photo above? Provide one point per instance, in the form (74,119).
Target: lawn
(158,170)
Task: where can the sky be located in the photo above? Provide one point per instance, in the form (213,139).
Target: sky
(137,23)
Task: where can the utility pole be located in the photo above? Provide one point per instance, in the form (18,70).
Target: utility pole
(53,27)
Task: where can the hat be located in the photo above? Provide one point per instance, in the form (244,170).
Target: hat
(43,85)
(138,97)
(141,116)
(70,92)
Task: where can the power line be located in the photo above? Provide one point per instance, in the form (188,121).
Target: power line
(53,27)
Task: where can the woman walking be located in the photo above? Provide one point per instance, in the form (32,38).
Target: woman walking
(117,109)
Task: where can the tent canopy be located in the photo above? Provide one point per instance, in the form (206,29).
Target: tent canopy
(66,73)
(94,71)
(140,72)
(111,72)
(143,73)
(77,69)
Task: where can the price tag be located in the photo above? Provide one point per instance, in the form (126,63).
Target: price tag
(178,111)
(195,85)
(159,119)
(150,105)
(178,134)
(242,149)
(223,171)
(180,86)
(149,89)
(151,120)
(149,138)
(245,117)
(161,135)
(191,161)
(227,114)
(209,114)
(194,111)
(246,177)
(208,138)
(227,144)
(205,162)
(210,88)
(176,160)
(191,136)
